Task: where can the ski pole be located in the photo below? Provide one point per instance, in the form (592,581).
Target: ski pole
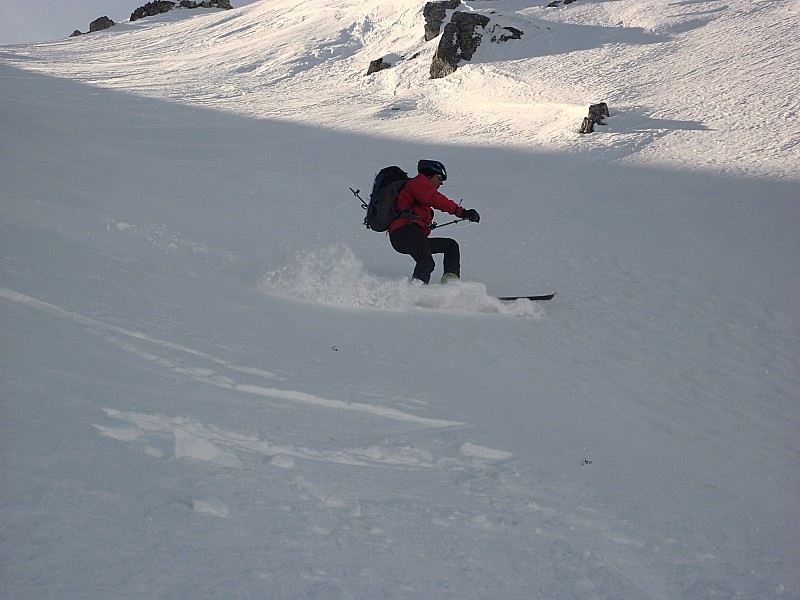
(356,194)
(437,226)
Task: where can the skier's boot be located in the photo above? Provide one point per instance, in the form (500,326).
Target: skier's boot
(449,278)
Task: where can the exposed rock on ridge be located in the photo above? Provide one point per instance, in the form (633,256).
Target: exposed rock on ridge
(96,25)
(161,6)
(154,8)
(459,41)
(461,38)
(435,13)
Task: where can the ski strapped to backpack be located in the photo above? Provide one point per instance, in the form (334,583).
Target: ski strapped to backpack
(381,209)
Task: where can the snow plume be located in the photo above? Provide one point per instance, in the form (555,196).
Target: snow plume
(335,276)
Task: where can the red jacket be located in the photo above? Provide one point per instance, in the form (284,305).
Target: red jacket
(420,197)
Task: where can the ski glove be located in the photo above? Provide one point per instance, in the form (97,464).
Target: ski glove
(470,214)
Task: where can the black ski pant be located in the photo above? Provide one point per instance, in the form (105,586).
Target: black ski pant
(411,240)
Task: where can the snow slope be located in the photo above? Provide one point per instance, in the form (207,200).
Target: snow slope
(216,383)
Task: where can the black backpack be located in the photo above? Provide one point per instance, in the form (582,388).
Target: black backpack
(381,208)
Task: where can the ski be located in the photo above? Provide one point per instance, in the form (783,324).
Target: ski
(534,298)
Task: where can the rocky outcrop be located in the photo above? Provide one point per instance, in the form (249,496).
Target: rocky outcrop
(435,13)
(96,25)
(377,65)
(503,34)
(223,4)
(152,9)
(459,41)
(100,24)
(157,7)
(461,38)
(597,112)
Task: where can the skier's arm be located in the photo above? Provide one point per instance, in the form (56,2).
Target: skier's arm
(439,201)
(444,204)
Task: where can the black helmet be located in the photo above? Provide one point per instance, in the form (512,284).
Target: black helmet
(432,167)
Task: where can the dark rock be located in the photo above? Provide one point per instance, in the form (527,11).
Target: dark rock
(598,111)
(161,6)
(459,42)
(100,24)
(461,38)
(596,114)
(435,13)
(377,65)
(507,33)
(96,25)
(152,9)
(224,4)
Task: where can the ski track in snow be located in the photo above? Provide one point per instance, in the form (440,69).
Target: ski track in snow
(220,446)
(495,499)
(111,333)
(191,439)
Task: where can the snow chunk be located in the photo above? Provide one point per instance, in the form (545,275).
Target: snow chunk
(215,508)
(476,451)
(282,461)
(189,445)
(123,434)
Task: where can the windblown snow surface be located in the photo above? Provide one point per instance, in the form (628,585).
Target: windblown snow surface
(217,384)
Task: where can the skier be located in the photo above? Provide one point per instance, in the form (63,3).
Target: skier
(409,232)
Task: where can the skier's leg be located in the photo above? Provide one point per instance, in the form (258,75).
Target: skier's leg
(452,254)
(411,240)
